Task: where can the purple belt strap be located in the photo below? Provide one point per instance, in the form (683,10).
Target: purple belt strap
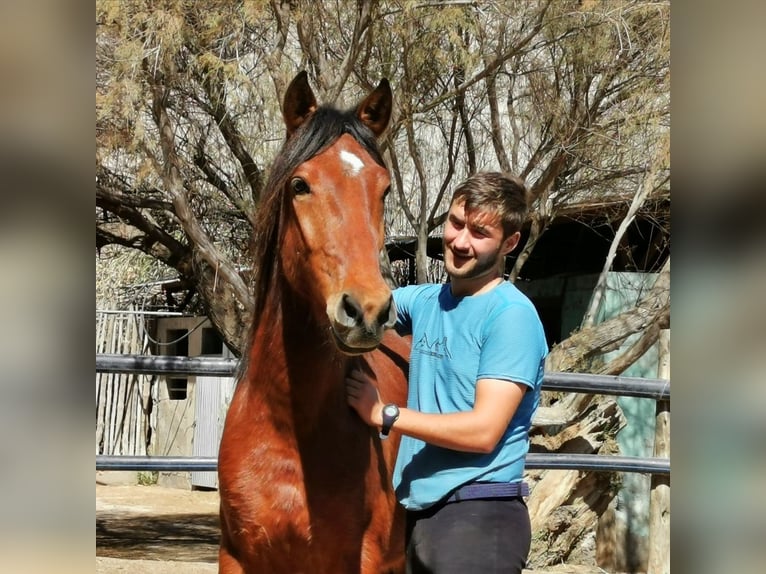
(477,490)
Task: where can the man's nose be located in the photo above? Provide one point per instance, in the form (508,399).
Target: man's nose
(462,240)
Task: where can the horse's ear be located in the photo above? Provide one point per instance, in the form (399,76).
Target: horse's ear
(375,109)
(299,102)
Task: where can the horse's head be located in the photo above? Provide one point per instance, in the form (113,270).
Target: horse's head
(333,231)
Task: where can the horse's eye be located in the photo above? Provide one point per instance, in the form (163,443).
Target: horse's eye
(299,186)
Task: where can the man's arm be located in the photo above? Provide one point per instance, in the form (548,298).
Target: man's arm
(477,430)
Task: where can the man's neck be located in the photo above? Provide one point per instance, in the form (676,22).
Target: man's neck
(474,286)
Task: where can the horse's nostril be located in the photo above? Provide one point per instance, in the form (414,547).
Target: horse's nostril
(387,315)
(351,308)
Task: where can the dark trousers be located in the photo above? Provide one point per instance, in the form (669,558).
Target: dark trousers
(482,536)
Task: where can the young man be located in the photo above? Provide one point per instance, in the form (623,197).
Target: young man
(476,367)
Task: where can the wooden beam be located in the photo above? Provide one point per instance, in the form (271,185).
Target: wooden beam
(659,499)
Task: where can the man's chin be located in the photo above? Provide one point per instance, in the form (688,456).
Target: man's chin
(458,266)
(459,272)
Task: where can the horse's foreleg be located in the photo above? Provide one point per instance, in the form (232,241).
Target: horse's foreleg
(381,560)
(394,559)
(398,567)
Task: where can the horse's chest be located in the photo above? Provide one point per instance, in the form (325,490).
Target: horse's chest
(324,472)
(298,495)
(298,514)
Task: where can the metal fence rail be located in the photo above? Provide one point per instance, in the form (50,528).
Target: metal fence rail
(534,461)
(166,364)
(657,389)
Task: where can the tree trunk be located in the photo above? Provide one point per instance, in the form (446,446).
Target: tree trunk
(565,505)
(224,309)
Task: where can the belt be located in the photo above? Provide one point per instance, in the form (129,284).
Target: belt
(477,490)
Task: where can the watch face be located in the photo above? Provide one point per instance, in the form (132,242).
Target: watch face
(390,410)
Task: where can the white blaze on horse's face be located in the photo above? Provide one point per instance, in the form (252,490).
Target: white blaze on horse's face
(351,162)
(339,225)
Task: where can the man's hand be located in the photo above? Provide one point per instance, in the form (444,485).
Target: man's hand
(363,397)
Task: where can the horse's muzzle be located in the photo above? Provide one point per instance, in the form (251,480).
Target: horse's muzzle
(358,326)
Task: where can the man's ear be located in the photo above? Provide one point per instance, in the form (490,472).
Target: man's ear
(510,242)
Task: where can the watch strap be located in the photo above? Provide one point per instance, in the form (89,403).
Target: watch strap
(388,420)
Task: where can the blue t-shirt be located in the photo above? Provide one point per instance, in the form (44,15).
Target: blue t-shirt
(457,341)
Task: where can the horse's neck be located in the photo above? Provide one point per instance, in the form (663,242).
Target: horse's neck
(293,362)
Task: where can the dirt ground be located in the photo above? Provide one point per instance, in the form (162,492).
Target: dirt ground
(156,530)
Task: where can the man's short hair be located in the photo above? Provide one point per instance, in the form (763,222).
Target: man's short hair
(502,194)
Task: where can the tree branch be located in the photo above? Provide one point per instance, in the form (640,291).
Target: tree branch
(120,205)
(494,64)
(173,184)
(433,220)
(638,348)
(214,89)
(465,122)
(496,129)
(396,172)
(202,161)
(646,187)
(361,27)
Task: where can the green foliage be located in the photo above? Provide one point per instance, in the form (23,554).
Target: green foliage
(148,478)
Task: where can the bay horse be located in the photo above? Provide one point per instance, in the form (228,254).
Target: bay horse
(305,485)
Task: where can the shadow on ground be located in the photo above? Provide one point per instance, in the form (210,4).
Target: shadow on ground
(182,537)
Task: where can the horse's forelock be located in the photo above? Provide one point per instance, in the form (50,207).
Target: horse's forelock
(325,126)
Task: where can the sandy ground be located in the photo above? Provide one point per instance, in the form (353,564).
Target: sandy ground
(156,530)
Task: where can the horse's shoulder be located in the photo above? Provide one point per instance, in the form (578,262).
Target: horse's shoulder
(390,363)
(396,343)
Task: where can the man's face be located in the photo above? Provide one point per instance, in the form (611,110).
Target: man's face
(473,243)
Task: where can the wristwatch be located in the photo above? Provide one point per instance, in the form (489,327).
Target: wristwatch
(390,414)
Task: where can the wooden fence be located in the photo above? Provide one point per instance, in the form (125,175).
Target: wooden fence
(124,400)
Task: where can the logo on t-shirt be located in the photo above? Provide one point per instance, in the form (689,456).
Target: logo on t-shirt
(437,349)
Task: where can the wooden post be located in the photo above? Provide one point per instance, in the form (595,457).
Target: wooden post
(659,500)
